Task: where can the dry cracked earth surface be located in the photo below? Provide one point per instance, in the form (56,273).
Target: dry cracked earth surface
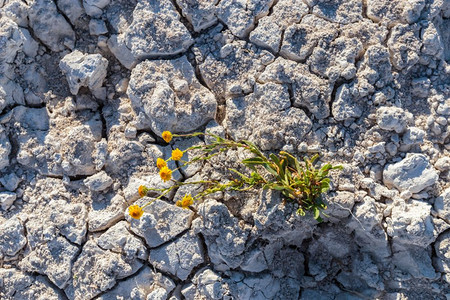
(87,87)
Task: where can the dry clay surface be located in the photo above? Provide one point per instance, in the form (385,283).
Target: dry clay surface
(88,86)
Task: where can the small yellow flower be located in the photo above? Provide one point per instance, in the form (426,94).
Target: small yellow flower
(185,202)
(161,163)
(167,136)
(177,154)
(142,190)
(135,211)
(165,173)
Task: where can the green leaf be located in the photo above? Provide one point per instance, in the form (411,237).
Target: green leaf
(316,213)
(253,161)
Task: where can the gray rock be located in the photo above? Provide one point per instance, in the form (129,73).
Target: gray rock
(411,224)
(200,13)
(240,15)
(170,96)
(49,26)
(391,12)
(442,205)
(15,284)
(161,222)
(17,11)
(404,44)
(309,91)
(432,41)
(413,173)
(420,87)
(7,199)
(413,135)
(443,163)
(84,70)
(13,238)
(96,270)
(375,70)
(206,283)
(340,206)
(98,182)
(345,106)
(269,106)
(180,257)
(230,67)
(267,35)
(414,260)
(225,239)
(341,11)
(442,247)
(53,258)
(393,119)
(105,211)
(97,27)
(5,149)
(141,286)
(94,8)
(10,181)
(72,9)
(118,239)
(156,30)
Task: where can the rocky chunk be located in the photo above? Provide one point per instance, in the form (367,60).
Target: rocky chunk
(68,147)
(404,44)
(442,205)
(414,173)
(340,206)
(15,284)
(170,96)
(97,270)
(240,15)
(161,222)
(270,29)
(206,283)
(180,257)
(393,11)
(225,238)
(336,59)
(17,11)
(375,71)
(53,258)
(341,11)
(300,40)
(98,182)
(346,105)
(309,91)
(156,30)
(366,31)
(84,70)
(432,42)
(7,199)
(72,9)
(105,211)
(442,247)
(10,181)
(5,148)
(94,8)
(393,119)
(146,284)
(118,239)
(369,234)
(50,26)
(269,106)
(412,224)
(13,238)
(200,13)
(12,41)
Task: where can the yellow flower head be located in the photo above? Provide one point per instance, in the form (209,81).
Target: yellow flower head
(161,163)
(142,190)
(135,211)
(185,202)
(177,154)
(167,136)
(165,173)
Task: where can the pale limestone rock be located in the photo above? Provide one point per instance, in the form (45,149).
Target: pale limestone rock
(200,13)
(84,70)
(13,238)
(160,222)
(179,257)
(49,26)
(413,173)
(393,119)
(7,199)
(340,11)
(98,182)
(105,211)
(170,96)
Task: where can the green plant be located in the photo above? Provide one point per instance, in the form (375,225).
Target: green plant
(298,181)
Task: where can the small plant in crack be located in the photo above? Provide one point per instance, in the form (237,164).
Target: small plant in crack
(298,181)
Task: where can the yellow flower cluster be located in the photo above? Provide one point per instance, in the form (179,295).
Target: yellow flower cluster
(185,202)
(161,163)
(142,190)
(165,173)
(177,154)
(167,136)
